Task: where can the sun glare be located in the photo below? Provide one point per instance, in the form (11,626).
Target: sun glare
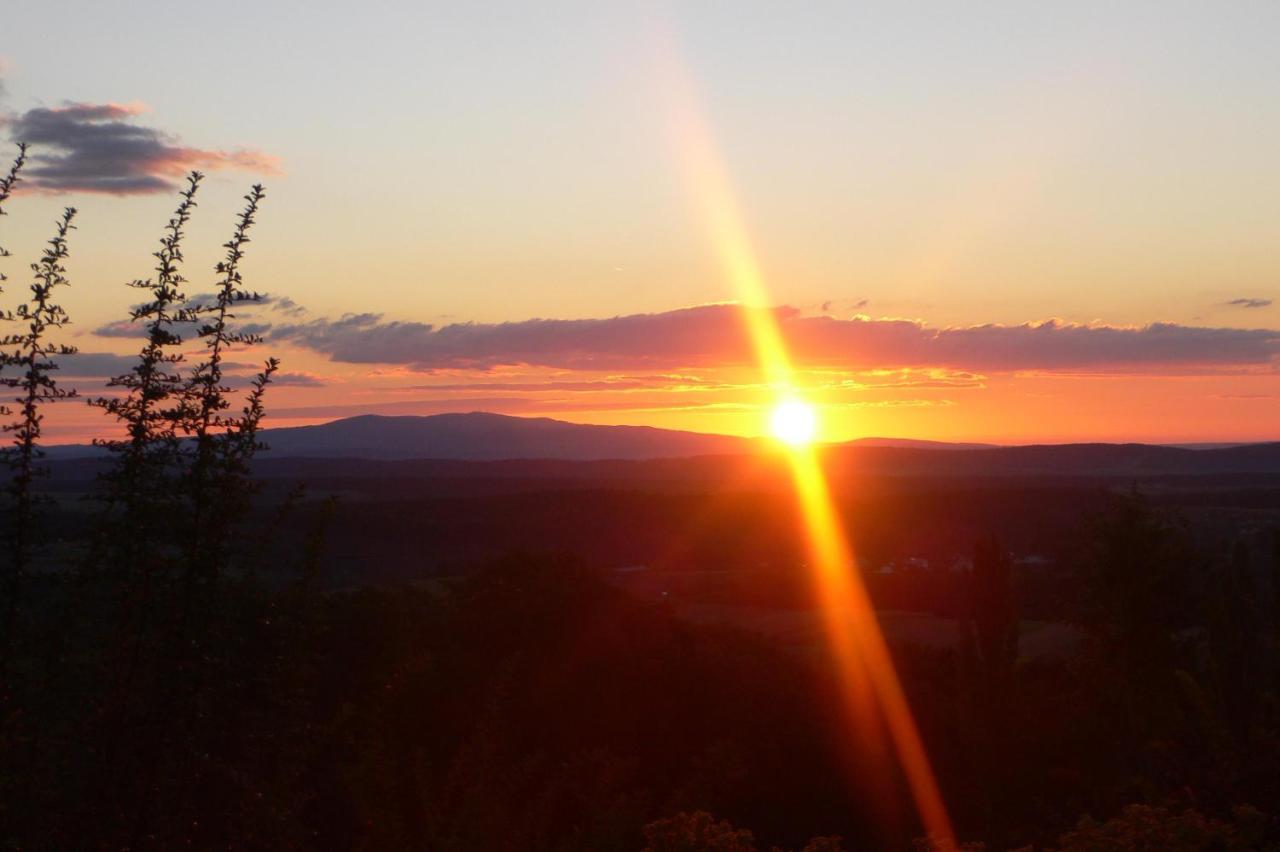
(873,696)
(794,422)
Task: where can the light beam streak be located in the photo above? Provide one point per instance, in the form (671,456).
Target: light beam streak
(872,690)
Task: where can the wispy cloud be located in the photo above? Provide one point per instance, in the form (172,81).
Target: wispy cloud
(1249,303)
(281,305)
(101,148)
(415,406)
(301,380)
(833,381)
(913,378)
(105,365)
(97,364)
(714,336)
(623,384)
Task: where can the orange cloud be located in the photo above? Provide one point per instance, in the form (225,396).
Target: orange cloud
(714,336)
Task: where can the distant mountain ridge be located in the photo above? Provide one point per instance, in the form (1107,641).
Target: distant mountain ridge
(480,436)
(484,437)
(1062,460)
(916,444)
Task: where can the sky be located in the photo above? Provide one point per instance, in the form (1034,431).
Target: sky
(1016,223)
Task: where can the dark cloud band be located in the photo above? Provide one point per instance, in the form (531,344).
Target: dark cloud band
(715,335)
(100,148)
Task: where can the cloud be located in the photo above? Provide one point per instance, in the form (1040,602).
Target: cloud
(100,148)
(104,365)
(284,305)
(914,378)
(122,328)
(623,383)
(416,406)
(242,377)
(96,364)
(302,380)
(715,336)
(279,304)
(1268,397)
(1250,303)
(931,379)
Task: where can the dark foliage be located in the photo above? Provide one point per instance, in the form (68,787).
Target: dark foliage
(150,405)
(114,660)
(30,353)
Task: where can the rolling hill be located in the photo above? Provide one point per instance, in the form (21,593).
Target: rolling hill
(451,441)
(491,437)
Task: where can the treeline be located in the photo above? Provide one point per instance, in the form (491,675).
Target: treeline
(533,705)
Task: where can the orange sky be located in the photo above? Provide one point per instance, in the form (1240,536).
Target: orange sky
(1002,225)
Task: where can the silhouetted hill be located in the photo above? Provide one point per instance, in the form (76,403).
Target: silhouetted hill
(917,444)
(1064,460)
(480,445)
(485,437)
(476,436)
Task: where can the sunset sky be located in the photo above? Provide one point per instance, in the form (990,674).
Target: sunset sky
(1011,225)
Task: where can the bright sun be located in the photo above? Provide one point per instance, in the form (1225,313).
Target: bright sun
(794,422)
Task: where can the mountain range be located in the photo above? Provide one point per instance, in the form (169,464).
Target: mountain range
(484,437)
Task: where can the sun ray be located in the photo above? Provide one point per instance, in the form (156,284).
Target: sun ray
(872,690)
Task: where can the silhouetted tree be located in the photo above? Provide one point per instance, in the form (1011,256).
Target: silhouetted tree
(1149,827)
(1238,653)
(993,605)
(33,354)
(10,581)
(696,832)
(986,656)
(7,183)
(142,480)
(1274,574)
(223,445)
(699,831)
(1138,589)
